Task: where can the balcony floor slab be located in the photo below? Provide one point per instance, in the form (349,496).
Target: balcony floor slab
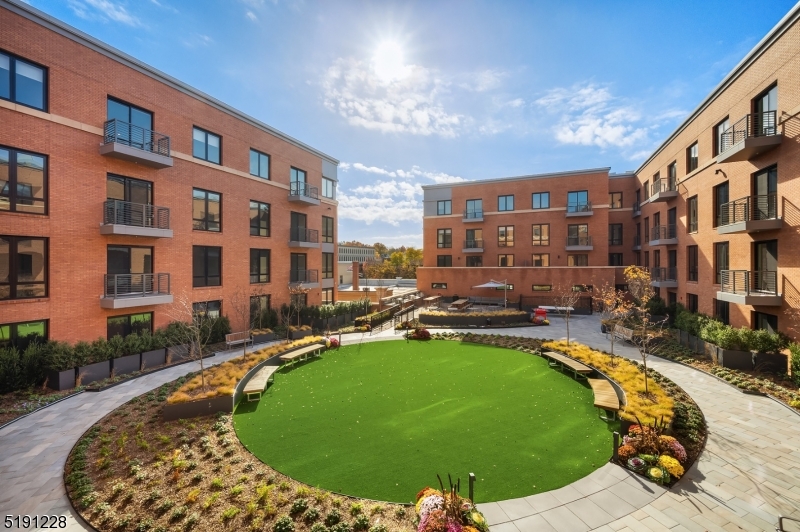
(753,299)
(303,199)
(135,155)
(132,230)
(752,226)
(133,300)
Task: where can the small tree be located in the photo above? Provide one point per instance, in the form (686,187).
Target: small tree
(612,305)
(240,303)
(566,297)
(293,308)
(192,328)
(646,329)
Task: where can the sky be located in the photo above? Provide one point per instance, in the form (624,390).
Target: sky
(407,94)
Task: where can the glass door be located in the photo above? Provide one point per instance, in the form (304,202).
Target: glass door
(765,109)
(133,198)
(765,188)
(766,266)
(129,268)
(134,126)
(298,227)
(298,268)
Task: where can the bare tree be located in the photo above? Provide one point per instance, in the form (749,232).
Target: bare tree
(646,331)
(566,297)
(193,329)
(240,303)
(294,306)
(613,306)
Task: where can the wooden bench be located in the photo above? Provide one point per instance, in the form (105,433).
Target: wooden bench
(578,369)
(605,398)
(623,333)
(238,338)
(302,353)
(259,381)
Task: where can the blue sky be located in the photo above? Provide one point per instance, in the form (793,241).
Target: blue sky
(413,93)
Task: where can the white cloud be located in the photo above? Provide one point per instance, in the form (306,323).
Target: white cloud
(197,39)
(104,10)
(518,102)
(483,81)
(252,16)
(373,170)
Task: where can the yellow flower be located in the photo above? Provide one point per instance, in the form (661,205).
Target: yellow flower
(672,466)
(655,472)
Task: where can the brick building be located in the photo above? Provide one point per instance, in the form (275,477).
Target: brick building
(124,192)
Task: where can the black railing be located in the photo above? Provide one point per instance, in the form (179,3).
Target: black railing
(116,212)
(746,282)
(763,124)
(135,284)
(471,215)
(637,208)
(664,274)
(663,185)
(749,208)
(296,188)
(303,234)
(303,276)
(663,232)
(585,206)
(579,241)
(135,137)
(473,244)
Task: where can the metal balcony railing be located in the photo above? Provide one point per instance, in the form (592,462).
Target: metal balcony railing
(663,185)
(753,125)
(474,243)
(579,241)
(135,284)
(637,208)
(116,212)
(471,215)
(748,209)
(637,241)
(303,234)
(135,137)
(745,282)
(664,274)
(303,276)
(663,232)
(297,188)
(585,206)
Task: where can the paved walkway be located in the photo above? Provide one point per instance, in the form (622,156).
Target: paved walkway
(747,476)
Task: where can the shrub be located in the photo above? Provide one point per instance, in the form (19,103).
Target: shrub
(356,508)
(361,522)
(319,527)
(794,350)
(298,506)
(333,517)
(284,524)
(230,513)
(341,527)
(378,528)
(311,515)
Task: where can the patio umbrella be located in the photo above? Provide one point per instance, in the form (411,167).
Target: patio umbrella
(496,284)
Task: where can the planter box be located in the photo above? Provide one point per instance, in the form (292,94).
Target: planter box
(261,338)
(203,407)
(177,352)
(773,362)
(466,320)
(729,358)
(94,372)
(127,364)
(153,359)
(61,380)
(296,335)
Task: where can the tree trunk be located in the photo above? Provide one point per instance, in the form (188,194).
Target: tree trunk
(567,317)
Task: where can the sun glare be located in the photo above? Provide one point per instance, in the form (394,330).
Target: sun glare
(388,61)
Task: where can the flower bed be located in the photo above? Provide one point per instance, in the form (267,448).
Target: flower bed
(419,334)
(447,511)
(659,457)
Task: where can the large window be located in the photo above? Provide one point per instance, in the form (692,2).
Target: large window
(474,209)
(578,201)
(444,261)
(206,146)
(259,164)
(20,335)
(23,82)
(444,238)
(259,218)
(207,309)
(439,286)
(691,302)
(721,197)
(766,322)
(692,155)
(615,259)
(505,203)
(206,266)
(505,260)
(327,230)
(444,207)
(614,234)
(722,311)
(474,238)
(693,266)
(720,141)
(131,323)
(259,308)
(259,266)
(577,260)
(23,267)
(23,181)
(327,265)
(578,235)
(206,210)
(615,200)
(541,287)
(540,260)
(540,200)
(328,188)
(691,214)
(327,296)
(474,261)
(720,260)
(505,236)
(540,234)
(134,127)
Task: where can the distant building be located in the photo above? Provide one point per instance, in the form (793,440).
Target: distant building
(350,253)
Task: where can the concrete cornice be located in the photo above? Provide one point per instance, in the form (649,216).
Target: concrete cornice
(517,178)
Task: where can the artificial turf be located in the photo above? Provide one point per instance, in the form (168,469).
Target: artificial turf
(380,420)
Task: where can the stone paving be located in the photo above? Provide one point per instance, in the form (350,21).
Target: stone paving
(748,475)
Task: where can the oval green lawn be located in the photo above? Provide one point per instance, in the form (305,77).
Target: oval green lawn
(380,420)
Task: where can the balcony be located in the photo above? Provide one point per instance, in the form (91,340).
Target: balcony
(663,190)
(135,290)
(751,136)
(750,288)
(473,246)
(303,193)
(749,215)
(637,209)
(664,277)
(472,216)
(135,219)
(664,235)
(579,243)
(304,278)
(579,209)
(125,141)
(301,237)
(637,243)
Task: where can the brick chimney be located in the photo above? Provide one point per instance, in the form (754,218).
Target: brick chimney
(356,269)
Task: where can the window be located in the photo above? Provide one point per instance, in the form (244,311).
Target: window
(672,176)
(327,230)
(614,234)
(721,196)
(444,207)
(298,272)
(646,259)
(474,238)
(578,201)
(692,263)
(327,296)
(20,335)
(582,288)
(541,287)
(207,309)
(577,260)
(444,238)
(647,229)
(691,158)
(505,203)
(540,234)
(125,325)
(438,286)
(720,260)
(540,200)
(259,266)
(578,235)
(259,164)
(328,188)
(327,265)
(474,209)
(722,311)
(297,176)
(765,107)
(505,236)
(444,261)
(505,260)
(615,200)
(474,261)
(206,146)
(540,260)
(722,142)
(691,302)
(508,287)
(766,322)
(23,181)
(129,190)
(259,311)
(615,259)
(259,218)
(206,266)
(206,210)
(23,82)
(23,267)
(691,214)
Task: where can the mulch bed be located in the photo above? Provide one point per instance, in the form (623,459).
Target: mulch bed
(17,404)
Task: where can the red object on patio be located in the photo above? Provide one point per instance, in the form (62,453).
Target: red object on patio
(540,313)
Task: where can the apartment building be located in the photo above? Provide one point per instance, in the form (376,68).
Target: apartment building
(125,193)
(535,232)
(356,253)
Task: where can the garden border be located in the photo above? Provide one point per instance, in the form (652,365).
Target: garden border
(105,387)
(4,425)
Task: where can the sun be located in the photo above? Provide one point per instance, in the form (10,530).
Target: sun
(389,61)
